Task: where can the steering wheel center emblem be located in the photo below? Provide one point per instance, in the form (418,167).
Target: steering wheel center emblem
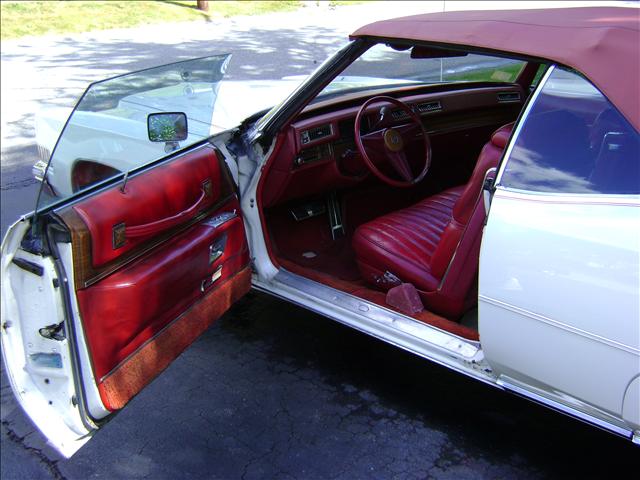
(393,140)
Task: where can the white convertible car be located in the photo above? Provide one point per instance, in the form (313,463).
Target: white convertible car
(465,186)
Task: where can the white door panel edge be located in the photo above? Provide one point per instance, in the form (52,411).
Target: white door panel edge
(252,223)
(95,406)
(39,369)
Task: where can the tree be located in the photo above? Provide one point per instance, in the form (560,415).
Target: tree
(203,5)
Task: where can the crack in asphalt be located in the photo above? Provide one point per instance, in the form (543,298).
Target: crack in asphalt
(18,184)
(245,470)
(50,465)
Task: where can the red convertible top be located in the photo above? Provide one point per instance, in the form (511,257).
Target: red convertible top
(603,43)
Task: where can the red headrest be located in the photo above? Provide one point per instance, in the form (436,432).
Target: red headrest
(501,136)
(489,158)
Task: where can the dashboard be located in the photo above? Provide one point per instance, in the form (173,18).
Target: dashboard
(318,152)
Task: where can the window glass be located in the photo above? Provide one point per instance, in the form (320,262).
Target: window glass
(574,141)
(538,76)
(107,132)
(383,66)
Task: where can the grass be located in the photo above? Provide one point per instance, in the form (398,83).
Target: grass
(507,73)
(18,19)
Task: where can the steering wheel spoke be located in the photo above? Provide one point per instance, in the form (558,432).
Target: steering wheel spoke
(400,164)
(373,140)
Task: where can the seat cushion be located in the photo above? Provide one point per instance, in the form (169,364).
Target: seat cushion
(440,234)
(403,242)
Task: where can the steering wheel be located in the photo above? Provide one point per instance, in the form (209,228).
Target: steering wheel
(391,141)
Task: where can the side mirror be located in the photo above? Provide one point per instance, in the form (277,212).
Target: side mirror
(167,127)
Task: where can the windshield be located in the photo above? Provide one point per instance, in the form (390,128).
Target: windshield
(107,133)
(383,66)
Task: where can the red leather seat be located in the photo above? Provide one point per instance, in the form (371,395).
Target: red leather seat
(417,244)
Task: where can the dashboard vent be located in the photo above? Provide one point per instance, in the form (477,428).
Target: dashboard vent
(429,107)
(399,115)
(316,133)
(421,108)
(507,97)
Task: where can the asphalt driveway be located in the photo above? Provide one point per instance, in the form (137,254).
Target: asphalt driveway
(271,390)
(274,392)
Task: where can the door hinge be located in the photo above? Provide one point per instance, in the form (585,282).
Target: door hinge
(53,332)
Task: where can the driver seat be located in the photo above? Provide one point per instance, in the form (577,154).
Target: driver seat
(434,244)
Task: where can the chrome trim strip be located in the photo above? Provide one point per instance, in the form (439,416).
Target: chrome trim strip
(523,120)
(563,326)
(564,198)
(562,408)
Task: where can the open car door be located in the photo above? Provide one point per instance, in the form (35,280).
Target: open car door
(137,246)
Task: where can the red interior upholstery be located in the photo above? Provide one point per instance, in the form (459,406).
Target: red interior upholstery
(417,244)
(129,307)
(156,195)
(404,242)
(131,311)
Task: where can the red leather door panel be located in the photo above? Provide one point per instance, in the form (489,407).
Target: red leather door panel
(127,308)
(140,314)
(157,194)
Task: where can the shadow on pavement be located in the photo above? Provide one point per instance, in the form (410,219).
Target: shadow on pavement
(68,66)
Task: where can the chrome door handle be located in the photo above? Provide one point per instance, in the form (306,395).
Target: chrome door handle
(216,249)
(214,253)
(207,282)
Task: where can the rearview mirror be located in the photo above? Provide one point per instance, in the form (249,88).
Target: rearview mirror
(167,127)
(431,52)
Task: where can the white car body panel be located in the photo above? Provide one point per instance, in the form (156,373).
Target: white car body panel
(560,250)
(94,403)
